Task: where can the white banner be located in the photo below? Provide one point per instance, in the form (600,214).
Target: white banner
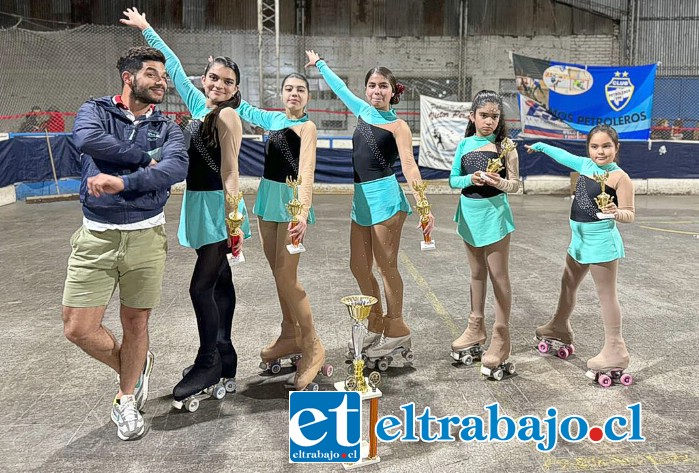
(442,126)
(538,123)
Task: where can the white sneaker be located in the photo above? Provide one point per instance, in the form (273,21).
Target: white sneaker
(128,420)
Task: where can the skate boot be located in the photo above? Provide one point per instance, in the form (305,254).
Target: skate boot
(494,363)
(202,380)
(396,340)
(608,367)
(286,347)
(555,337)
(372,337)
(229,365)
(312,362)
(469,346)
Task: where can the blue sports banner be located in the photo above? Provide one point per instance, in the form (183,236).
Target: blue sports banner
(586,96)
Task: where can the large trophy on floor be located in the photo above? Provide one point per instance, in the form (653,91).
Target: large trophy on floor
(295,207)
(234,221)
(359,308)
(423,208)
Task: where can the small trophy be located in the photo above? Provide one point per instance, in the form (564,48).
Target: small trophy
(603,199)
(423,208)
(495,164)
(359,308)
(234,222)
(294,207)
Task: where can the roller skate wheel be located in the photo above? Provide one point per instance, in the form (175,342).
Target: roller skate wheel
(510,367)
(370,364)
(275,368)
(191,404)
(626,379)
(327,370)
(467,360)
(543,347)
(230,385)
(571,348)
(218,391)
(409,356)
(382,365)
(263,365)
(350,369)
(498,375)
(604,380)
(563,353)
(311,387)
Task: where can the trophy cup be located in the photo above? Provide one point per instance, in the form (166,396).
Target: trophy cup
(603,199)
(359,308)
(423,208)
(294,207)
(233,223)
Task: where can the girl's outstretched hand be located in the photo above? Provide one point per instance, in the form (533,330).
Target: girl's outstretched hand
(312,58)
(529,149)
(135,19)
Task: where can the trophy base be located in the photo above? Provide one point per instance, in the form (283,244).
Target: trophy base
(234,260)
(296,249)
(603,216)
(370,394)
(365,461)
(424,246)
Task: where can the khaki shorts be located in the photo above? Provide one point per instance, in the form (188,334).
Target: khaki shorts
(134,259)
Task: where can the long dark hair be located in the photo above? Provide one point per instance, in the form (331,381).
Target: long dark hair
(611,132)
(209,133)
(483,97)
(396,86)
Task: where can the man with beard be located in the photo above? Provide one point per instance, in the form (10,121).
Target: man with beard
(131,155)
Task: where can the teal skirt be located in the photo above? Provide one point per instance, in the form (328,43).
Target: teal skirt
(270,204)
(203,219)
(378,200)
(482,222)
(595,242)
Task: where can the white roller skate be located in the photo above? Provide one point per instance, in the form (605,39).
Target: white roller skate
(275,366)
(382,354)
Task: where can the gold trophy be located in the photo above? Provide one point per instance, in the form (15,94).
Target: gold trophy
(234,220)
(423,208)
(603,199)
(359,308)
(495,164)
(294,207)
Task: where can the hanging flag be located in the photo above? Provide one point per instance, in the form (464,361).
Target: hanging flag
(586,96)
(442,126)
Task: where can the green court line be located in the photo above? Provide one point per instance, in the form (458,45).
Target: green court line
(681,232)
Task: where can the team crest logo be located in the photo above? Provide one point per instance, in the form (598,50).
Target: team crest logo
(619,91)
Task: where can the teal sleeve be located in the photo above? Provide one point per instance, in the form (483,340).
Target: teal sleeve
(262,118)
(456,179)
(561,156)
(354,103)
(192,97)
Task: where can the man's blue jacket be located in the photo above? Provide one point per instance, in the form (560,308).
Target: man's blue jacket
(112,144)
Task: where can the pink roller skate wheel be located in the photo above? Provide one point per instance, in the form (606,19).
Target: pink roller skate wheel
(543,347)
(563,353)
(571,348)
(327,370)
(604,381)
(626,379)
